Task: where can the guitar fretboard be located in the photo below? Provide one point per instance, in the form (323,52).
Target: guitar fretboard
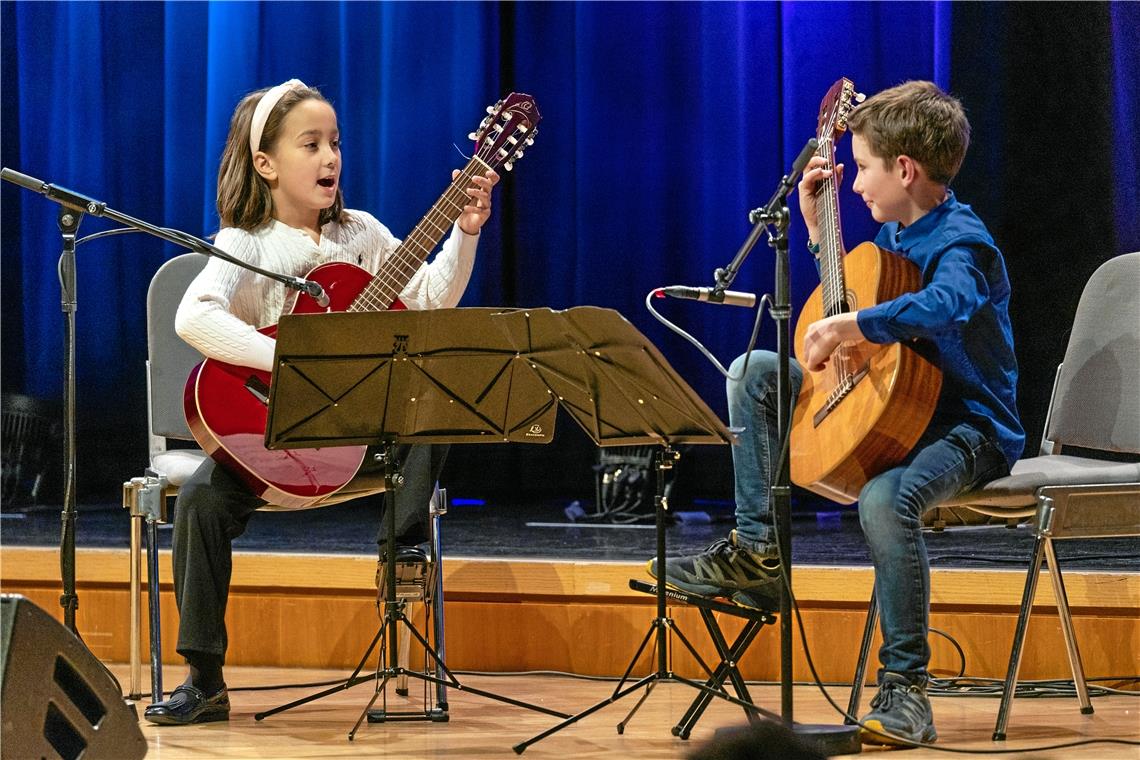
(831,237)
(400,266)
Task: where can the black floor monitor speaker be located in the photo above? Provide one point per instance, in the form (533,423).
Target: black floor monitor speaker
(58,701)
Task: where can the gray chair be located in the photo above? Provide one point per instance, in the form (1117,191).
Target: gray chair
(1095,407)
(169,360)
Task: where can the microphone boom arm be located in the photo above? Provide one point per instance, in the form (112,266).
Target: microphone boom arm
(774,212)
(84,204)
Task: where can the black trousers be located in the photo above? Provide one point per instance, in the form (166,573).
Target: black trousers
(213,508)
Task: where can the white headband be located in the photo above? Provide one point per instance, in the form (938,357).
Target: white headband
(264,106)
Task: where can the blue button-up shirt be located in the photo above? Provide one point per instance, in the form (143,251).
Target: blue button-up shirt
(963,309)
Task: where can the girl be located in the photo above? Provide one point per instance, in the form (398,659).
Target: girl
(281,207)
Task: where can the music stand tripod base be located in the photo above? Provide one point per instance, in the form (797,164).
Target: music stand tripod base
(417,580)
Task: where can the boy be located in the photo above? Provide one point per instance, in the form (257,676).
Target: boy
(908,143)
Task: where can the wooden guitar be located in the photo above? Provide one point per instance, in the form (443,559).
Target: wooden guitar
(868,407)
(226,405)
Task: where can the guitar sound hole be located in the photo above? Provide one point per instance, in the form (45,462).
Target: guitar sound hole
(843,307)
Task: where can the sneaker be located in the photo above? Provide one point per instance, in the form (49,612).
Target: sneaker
(901,709)
(748,578)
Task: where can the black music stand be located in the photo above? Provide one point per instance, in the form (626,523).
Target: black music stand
(400,377)
(485,376)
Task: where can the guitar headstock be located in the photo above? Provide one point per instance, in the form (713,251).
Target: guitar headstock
(509,127)
(834,109)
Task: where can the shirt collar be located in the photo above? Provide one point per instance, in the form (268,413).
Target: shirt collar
(905,237)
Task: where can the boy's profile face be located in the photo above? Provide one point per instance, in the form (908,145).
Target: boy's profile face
(879,183)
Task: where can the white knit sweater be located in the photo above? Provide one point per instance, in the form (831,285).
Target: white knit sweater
(225,304)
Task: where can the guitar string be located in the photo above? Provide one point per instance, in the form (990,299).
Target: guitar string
(403,263)
(832,269)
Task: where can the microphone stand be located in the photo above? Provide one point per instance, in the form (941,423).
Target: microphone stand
(74,206)
(830,739)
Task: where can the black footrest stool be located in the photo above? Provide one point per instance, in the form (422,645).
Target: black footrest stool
(729,654)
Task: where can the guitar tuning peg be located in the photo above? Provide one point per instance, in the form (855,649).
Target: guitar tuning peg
(529,141)
(508,165)
(490,109)
(860,97)
(472,136)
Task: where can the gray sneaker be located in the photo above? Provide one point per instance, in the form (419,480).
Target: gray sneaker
(901,710)
(725,569)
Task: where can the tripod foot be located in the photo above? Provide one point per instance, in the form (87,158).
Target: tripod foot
(829,739)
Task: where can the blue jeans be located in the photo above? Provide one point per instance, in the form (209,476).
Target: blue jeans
(949,459)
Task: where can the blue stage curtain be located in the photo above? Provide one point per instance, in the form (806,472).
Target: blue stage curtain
(663,125)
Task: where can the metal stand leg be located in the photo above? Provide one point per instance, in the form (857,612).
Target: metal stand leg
(388,638)
(861,664)
(730,656)
(657,632)
(438,509)
(153,602)
(135,645)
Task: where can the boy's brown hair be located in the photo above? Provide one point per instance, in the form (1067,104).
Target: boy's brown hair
(244,200)
(919,120)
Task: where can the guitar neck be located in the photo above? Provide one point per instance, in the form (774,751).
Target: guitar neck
(400,266)
(831,250)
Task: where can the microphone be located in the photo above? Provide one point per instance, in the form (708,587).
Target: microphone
(712,295)
(60,195)
(311,288)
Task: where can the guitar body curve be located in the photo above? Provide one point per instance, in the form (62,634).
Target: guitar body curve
(226,407)
(837,446)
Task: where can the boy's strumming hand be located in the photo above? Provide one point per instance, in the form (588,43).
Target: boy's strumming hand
(478,209)
(809,185)
(824,336)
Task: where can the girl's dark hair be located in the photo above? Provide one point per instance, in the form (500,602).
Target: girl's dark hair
(244,200)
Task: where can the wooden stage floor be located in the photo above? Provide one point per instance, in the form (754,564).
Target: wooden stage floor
(480,727)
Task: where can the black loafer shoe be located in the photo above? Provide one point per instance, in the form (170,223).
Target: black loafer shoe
(189,705)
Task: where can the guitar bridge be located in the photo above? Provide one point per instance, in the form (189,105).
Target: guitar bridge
(839,394)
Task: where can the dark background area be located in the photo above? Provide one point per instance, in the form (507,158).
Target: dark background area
(663,125)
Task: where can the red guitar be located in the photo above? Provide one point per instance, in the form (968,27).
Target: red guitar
(226,405)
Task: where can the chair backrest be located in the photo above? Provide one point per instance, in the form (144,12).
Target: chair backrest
(169,358)
(1097,399)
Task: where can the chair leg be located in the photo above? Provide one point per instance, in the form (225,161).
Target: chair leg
(153,601)
(861,664)
(1075,663)
(1019,639)
(136,607)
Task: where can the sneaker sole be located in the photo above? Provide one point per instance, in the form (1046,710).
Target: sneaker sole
(884,739)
